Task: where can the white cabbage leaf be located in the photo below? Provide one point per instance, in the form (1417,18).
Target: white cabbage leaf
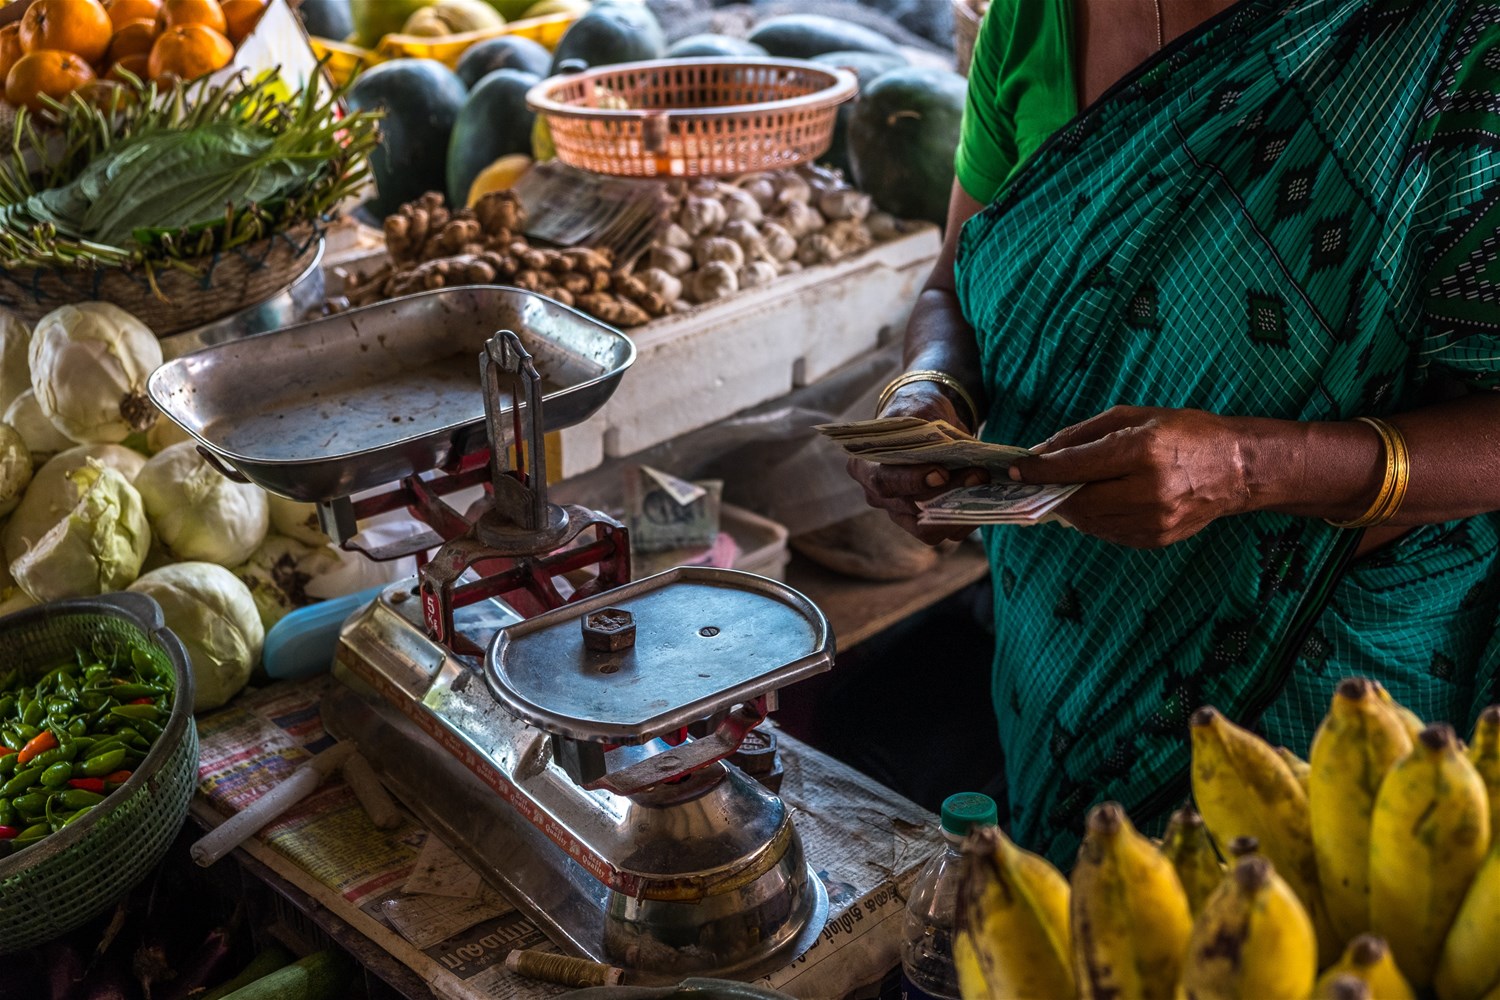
(212,612)
(15,468)
(52,494)
(97,548)
(297,520)
(42,437)
(15,370)
(89,366)
(199,514)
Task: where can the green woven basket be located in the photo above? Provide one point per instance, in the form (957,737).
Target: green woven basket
(83,869)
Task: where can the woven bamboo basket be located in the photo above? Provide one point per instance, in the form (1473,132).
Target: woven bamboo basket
(224,283)
(966,17)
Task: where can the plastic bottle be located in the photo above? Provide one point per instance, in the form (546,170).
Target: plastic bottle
(932,908)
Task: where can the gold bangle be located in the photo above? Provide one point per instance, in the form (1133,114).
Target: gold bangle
(1393,483)
(929,375)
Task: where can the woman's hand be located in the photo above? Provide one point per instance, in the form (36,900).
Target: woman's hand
(1153,476)
(896,489)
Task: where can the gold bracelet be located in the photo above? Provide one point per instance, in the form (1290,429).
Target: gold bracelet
(1393,483)
(930,375)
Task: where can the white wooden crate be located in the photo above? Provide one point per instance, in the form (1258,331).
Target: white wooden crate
(696,368)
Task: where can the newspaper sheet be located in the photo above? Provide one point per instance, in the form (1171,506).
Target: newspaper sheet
(412,896)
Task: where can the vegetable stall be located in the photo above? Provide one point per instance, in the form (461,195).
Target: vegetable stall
(180,167)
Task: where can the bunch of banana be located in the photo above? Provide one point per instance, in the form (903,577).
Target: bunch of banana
(1012,939)
(1359,741)
(1243,787)
(1484,754)
(1428,836)
(1131,919)
(1253,940)
(1187,846)
(1368,962)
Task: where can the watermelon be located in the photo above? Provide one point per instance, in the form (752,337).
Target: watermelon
(505,52)
(422,99)
(902,137)
(709,45)
(327,18)
(611,32)
(866,66)
(494,122)
(802,36)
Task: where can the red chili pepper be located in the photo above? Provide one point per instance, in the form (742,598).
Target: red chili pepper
(142,701)
(87,784)
(118,778)
(9,832)
(6,751)
(40,743)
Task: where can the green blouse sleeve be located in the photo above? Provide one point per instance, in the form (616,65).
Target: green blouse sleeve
(1020,91)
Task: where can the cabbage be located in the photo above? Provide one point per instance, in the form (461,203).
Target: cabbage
(279,574)
(198,513)
(297,520)
(42,439)
(89,365)
(211,611)
(98,547)
(15,370)
(15,468)
(164,432)
(52,494)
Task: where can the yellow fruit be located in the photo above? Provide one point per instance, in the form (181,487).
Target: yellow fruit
(1253,940)
(1367,960)
(81,27)
(1469,966)
(122,12)
(133,38)
(1484,754)
(1187,846)
(240,18)
(1244,788)
(189,51)
(1358,742)
(1130,916)
(1012,936)
(498,176)
(1301,769)
(1428,837)
(176,13)
(45,73)
(1411,720)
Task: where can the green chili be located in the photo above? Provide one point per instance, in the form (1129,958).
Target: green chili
(57,775)
(22,780)
(100,764)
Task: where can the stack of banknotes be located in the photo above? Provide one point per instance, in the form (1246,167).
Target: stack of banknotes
(914,441)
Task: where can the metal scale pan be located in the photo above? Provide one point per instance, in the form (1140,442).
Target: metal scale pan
(359,400)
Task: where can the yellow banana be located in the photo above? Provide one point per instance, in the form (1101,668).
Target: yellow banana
(1428,838)
(1244,788)
(1358,742)
(1411,720)
(1368,960)
(1012,939)
(1484,754)
(1301,769)
(1253,940)
(1470,962)
(1130,916)
(1187,846)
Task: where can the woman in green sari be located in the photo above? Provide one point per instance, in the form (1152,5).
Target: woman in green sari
(1286,218)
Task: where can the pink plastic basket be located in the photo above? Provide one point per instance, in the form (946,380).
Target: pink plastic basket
(693,117)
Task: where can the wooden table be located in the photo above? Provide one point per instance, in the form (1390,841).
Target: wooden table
(858,609)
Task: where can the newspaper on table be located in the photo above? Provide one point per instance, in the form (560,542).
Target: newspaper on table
(413,897)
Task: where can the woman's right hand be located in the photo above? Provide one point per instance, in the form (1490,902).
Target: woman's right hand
(896,489)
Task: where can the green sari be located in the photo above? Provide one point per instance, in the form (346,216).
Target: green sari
(1290,213)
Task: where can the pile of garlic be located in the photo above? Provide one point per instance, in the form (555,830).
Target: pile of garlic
(724,236)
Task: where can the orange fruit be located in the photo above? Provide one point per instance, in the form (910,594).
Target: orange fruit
(175,13)
(81,27)
(242,16)
(139,65)
(10,49)
(133,38)
(122,12)
(45,71)
(189,51)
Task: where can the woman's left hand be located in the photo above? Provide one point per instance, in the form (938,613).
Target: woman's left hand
(1152,476)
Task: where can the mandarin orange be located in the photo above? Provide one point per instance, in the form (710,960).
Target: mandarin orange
(81,27)
(175,13)
(10,49)
(189,51)
(139,65)
(133,38)
(122,12)
(241,16)
(45,71)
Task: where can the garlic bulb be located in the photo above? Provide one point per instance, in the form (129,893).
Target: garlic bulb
(817,248)
(761,187)
(884,226)
(700,216)
(662,283)
(675,236)
(747,236)
(89,365)
(780,245)
(801,219)
(791,188)
(740,205)
(671,260)
(715,280)
(712,248)
(850,236)
(845,204)
(757,273)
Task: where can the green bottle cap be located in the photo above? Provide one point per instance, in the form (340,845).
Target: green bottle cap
(966,810)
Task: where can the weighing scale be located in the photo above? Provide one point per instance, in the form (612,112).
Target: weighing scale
(569,737)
